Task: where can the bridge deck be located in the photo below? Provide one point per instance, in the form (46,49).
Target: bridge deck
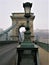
(43,56)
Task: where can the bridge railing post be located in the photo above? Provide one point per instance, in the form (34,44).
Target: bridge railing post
(6,36)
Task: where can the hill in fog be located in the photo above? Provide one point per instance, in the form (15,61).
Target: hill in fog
(42,33)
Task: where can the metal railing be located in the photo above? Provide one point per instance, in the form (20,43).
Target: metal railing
(45,46)
(4,36)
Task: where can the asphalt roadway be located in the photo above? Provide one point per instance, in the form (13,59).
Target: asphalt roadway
(7,52)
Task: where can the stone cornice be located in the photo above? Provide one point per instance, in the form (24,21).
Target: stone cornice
(21,16)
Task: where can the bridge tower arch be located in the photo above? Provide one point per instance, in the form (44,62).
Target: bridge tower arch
(19,20)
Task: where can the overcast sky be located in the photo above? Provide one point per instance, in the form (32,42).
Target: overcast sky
(39,8)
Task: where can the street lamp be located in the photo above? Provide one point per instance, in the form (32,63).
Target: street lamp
(27,47)
(27,8)
(27,43)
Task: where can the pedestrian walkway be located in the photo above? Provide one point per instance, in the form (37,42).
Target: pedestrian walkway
(43,56)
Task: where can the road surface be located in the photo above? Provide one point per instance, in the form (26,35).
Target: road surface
(7,52)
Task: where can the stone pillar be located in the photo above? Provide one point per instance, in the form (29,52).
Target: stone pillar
(19,19)
(15,29)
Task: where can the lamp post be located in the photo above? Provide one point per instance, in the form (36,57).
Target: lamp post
(27,47)
(27,35)
(27,8)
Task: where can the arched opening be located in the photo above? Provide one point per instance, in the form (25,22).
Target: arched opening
(21,33)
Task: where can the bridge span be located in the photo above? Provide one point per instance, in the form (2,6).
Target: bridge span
(8,54)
